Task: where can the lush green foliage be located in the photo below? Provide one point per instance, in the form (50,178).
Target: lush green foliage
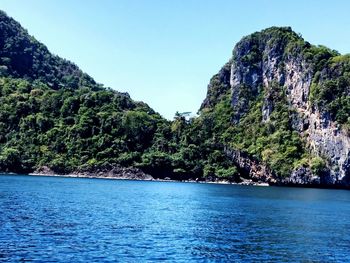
(330,90)
(273,141)
(68,129)
(22,56)
(52,114)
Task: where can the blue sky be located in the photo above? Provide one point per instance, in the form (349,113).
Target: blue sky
(164,52)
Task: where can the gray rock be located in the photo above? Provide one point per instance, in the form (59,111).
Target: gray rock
(247,80)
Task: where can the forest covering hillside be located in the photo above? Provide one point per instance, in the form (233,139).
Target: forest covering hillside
(52,114)
(277,112)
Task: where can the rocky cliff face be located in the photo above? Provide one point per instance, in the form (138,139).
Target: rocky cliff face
(277,57)
(251,167)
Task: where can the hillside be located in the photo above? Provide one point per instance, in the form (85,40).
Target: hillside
(52,114)
(55,119)
(277,112)
(22,56)
(287,105)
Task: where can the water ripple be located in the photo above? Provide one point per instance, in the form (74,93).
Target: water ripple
(47,219)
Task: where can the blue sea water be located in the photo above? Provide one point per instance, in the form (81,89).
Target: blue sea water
(55,219)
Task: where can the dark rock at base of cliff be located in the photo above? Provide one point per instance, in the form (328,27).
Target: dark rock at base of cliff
(301,176)
(117,172)
(255,171)
(249,167)
(44,170)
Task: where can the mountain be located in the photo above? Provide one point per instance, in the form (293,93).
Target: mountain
(55,116)
(56,119)
(277,112)
(288,105)
(22,56)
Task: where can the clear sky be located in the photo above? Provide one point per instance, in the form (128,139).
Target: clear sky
(164,52)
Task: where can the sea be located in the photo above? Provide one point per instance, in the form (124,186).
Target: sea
(59,219)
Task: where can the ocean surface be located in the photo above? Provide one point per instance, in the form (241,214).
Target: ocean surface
(55,219)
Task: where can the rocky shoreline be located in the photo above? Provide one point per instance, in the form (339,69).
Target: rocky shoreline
(246,182)
(130,173)
(123,173)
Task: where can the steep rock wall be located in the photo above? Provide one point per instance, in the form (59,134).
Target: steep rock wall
(270,64)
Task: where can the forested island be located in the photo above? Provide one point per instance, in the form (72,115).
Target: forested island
(277,112)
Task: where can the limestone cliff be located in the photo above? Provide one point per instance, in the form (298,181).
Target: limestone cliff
(278,58)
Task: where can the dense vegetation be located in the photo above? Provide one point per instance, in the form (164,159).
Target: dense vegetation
(331,88)
(81,128)
(67,128)
(274,141)
(22,56)
(52,114)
